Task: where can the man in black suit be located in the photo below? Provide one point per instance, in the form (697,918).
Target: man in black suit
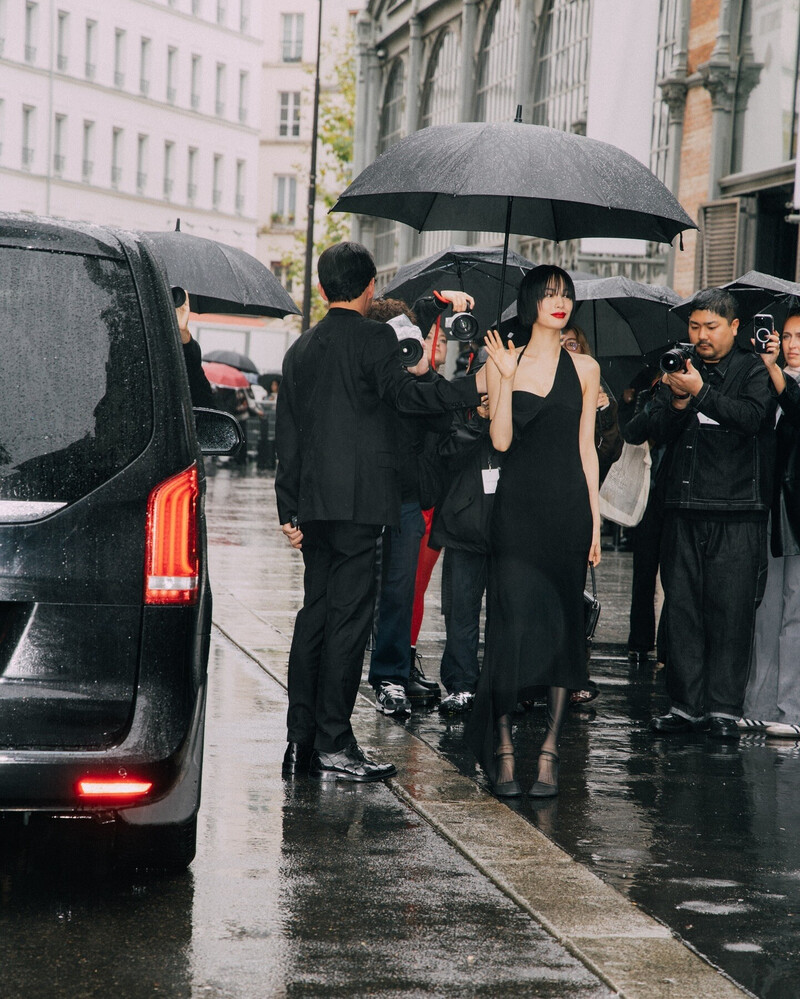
(337,486)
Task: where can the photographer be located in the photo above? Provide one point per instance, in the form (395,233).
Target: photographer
(717,413)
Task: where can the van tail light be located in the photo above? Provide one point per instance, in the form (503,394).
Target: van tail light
(113,787)
(172,564)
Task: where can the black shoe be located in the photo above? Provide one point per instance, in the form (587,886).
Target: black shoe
(417,693)
(543,789)
(418,679)
(297,758)
(723,728)
(669,723)
(505,788)
(349,764)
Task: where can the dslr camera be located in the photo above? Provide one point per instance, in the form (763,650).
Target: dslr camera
(763,328)
(675,358)
(409,340)
(463,326)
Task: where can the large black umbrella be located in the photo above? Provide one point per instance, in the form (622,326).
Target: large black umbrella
(620,317)
(511,177)
(755,292)
(232,358)
(221,278)
(473,269)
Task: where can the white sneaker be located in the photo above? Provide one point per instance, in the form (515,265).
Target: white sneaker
(782,731)
(390,698)
(753,724)
(457,704)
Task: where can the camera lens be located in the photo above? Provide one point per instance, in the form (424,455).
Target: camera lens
(672,360)
(411,351)
(178,297)
(464,327)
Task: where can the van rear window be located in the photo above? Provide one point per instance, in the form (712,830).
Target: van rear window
(75,398)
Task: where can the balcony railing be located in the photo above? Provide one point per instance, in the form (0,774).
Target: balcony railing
(171,95)
(242,115)
(58,164)
(216,198)
(168,184)
(220,108)
(141,181)
(30,53)
(239,203)
(222,12)
(116,176)
(119,78)
(191,193)
(86,171)
(195,101)
(144,86)
(62,62)
(90,70)
(27,157)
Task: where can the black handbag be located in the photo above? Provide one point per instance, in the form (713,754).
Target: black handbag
(591,608)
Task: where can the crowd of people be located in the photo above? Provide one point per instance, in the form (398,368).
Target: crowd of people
(501,469)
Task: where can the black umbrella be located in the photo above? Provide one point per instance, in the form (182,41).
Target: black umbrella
(511,177)
(620,317)
(755,292)
(473,269)
(221,278)
(232,358)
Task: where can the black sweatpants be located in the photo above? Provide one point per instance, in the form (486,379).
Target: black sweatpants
(714,573)
(331,632)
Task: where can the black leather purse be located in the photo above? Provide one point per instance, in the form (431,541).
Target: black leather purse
(591,608)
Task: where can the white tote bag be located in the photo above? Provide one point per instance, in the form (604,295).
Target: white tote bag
(624,492)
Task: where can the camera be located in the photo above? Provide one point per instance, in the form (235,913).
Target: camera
(675,358)
(409,340)
(463,326)
(763,328)
(178,297)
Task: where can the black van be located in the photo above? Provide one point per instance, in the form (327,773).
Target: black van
(104,599)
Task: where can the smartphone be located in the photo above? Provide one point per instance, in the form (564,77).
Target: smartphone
(763,328)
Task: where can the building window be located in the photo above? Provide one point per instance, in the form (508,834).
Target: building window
(59,143)
(119,57)
(197,67)
(91,49)
(141,164)
(282,273)
(2,121)
(289,118)
(216,182)
(291,37)
(219,90)
(144,67)
(116,157)
(62,41)
(285,203)
(172,74)
(31,28)
(191,175)
(169,169)
(240,181)
(439,107)
(497,63)
(244,89)
(222,11)
(244,16)
(28,135)
(87,165)
(668,28)
(391,129)
(197,7)
(3,12)
(562,66)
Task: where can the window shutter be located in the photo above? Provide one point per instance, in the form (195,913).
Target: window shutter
(718,246)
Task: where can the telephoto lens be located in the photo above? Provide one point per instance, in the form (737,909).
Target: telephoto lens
(675,359)
(464,327)
(411,351)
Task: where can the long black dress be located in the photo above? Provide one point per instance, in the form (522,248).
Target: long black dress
(541,532)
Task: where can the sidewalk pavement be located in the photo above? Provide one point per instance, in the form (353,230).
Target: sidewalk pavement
(257,584)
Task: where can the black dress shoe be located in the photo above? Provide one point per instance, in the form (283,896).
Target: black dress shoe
(297,758)
(419,686)
(669,723)
(349,764)
(723,728)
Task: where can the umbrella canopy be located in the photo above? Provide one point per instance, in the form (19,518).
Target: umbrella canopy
(224,375)
(221,278)
(512,177)
(620,317)
(233,359)
(755,292)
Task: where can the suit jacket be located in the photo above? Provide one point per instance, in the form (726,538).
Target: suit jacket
(336,435)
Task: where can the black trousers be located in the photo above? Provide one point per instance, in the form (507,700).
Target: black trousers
(646,553)
(331,632)
(714,573)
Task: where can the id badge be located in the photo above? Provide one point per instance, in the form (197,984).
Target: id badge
(491,476)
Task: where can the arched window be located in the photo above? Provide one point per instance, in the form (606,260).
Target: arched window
(439,107)
(563,65)
(497,63)
(668,28)
(391,129)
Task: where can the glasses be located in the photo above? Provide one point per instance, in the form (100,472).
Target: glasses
(571,345)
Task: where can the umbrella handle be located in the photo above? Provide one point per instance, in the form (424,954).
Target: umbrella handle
(505,261)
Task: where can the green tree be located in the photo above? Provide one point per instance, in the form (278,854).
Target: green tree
(336,125)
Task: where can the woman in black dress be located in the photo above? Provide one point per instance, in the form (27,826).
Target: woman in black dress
(545,527)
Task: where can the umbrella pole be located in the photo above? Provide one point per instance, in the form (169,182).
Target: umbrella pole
(505,260)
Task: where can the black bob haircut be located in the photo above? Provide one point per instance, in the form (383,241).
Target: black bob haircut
(716,300)
(344,271)
(533,288)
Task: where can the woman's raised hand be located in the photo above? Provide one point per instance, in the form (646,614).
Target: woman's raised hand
(503,358)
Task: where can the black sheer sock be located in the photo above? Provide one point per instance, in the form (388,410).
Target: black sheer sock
(504,752)
(557,704)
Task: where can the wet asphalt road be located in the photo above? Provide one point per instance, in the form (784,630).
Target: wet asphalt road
(297,891)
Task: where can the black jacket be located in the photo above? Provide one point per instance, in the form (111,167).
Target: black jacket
(199,387)
(785,533)
(461,520)
(336,432)
(722,455)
